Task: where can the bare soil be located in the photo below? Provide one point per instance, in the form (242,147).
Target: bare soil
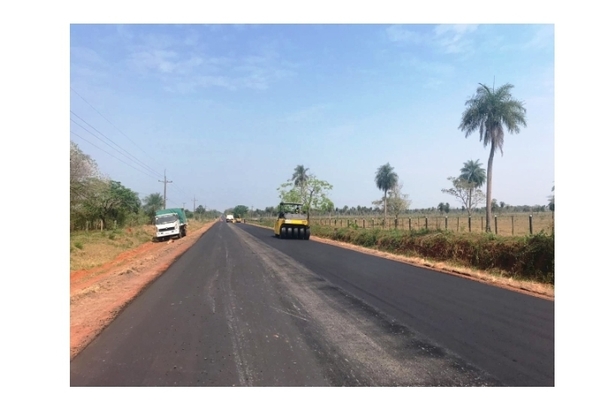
(99,294)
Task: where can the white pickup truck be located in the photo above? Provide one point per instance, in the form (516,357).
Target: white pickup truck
(229,218)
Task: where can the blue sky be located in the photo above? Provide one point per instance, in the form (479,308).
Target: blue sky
(230,110)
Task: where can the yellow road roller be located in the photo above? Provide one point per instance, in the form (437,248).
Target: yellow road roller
(292,222)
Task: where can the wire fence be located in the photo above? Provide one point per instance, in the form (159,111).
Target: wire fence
(504,225)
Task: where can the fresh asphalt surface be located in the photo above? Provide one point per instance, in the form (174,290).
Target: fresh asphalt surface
(243,308)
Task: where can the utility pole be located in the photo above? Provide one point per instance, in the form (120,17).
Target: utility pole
(194,210)
(165,190)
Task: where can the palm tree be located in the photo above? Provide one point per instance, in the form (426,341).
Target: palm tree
(491,111)
(153,203)
(386,179)
(300,177)
(474,174)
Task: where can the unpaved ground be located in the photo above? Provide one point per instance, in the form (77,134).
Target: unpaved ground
(98,295)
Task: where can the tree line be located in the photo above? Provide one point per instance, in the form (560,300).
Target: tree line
(97,198)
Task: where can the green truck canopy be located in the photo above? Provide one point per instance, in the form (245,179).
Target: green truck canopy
(178,211)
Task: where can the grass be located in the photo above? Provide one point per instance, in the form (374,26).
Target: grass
(94,248)
(523,258)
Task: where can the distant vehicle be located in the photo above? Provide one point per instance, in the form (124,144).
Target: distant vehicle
(229,218)
(238,219)
(292,222)
(170,223)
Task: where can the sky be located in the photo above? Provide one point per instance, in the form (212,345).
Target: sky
(228,111)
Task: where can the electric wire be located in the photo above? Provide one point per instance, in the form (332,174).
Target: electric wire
(131,157)
(141,171)
(111,123)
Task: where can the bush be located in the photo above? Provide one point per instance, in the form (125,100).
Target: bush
(527,257)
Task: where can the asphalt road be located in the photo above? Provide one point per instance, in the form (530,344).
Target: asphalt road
(243,308)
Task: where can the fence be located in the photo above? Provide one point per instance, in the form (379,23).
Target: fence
(504,225)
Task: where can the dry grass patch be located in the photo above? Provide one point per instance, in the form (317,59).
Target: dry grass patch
(95,248)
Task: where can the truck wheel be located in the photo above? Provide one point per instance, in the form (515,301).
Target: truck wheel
(307,236)
(301,233)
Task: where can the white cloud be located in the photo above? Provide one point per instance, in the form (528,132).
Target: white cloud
(543,38)
(454,38)
(448,38)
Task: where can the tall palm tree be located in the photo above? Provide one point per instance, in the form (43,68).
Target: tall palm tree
(386,179)
(491,111)
(474,174)
(300,177)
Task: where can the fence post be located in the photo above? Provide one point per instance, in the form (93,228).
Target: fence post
(115,226)
(496,223)
(458,224)
(446,227)
(373,223)
(530,224)
(469,223)
(409,224)
(396,223)
(363,223)
(87,225)
(426,226)
(512,220)
(482,223)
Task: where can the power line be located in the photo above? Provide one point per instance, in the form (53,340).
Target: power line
(111,154)
(119,130)
(113,125)
(101,140)
(131,157)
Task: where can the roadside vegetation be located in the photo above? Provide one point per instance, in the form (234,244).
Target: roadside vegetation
(108,218)
(529,258)
(94,248)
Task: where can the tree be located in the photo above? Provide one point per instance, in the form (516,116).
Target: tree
(495,206)
(551,201)
(82,169)
(239,211)
(113,202)
(466,192)
(443,207)
(490,111)
(473,173)
(153,203)
(397,202)
(385,179)
(313,195)
(300,177)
